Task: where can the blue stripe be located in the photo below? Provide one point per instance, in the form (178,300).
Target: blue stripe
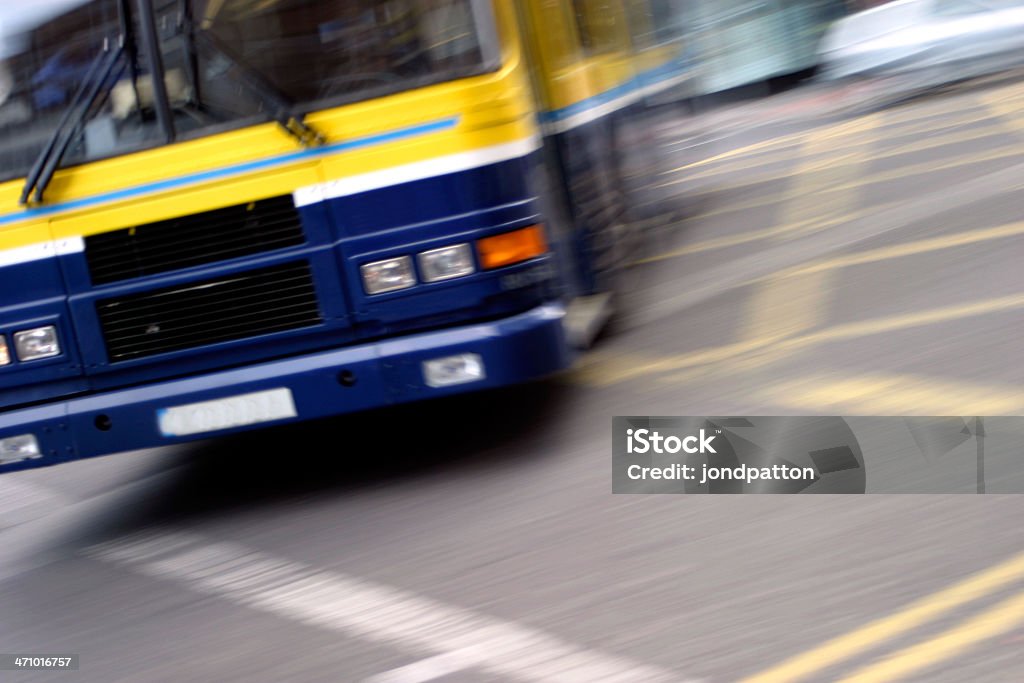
(216,174)
(651,77)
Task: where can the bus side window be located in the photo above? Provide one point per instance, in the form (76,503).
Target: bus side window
(447,27)
(553,36)
(655,22)
(667,19)
(603,26)
(641,24)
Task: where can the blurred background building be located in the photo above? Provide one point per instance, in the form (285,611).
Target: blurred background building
(761,44)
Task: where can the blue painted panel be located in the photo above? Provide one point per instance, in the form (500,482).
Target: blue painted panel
(433,199)
(341,234)
(515,349)
(33,296)
(436,212)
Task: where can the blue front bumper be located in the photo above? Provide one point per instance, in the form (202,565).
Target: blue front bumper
(515,349)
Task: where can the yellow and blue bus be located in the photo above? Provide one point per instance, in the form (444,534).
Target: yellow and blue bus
(222,214)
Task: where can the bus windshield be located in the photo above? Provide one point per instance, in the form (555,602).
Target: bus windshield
(224,64)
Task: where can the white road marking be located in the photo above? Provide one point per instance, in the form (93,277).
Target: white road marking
(429,669)
(367,610)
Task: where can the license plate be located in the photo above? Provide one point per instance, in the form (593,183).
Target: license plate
(225,413)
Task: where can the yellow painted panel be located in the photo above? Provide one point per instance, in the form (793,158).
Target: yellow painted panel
(367,161)
(203,197)
(610,71)
(491,109)
(655,57)
(29,233)
(502,94)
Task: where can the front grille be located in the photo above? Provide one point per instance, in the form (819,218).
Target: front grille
(200,313)
(208,237)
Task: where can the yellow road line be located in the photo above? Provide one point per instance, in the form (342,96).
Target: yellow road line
(764,147)
(896,174)
(883,394)
(1004,617)
(978,133)
(916,118)
(1005,94)
(709,245)
(842,128)
(783,307)
(821,187)
(894,323)
(779,347)
(939,106)
(905,249)
(1009,111)
(604,370)
(904,148)
(754,235)
(792,139)
(858,258)
(878,632)
(857,160)
(922,122)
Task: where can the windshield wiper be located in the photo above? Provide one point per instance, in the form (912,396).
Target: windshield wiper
(267,94)
(46,163)
(89,89)
(98,76)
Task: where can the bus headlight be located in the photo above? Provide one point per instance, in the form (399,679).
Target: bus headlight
(446,263)
(5,353)
(451,370)
(33,344)
(18,448)
(388,276)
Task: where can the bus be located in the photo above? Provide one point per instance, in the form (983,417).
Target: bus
(221,215)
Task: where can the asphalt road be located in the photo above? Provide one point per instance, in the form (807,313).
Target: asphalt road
(864,265)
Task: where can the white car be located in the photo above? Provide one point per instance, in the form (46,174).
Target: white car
(925,43)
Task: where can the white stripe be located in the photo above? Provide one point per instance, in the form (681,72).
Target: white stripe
(658,86)
(312,194)
(430,168)
(367,610)
(32,252)
(598,111)
(41,250)
(70,245)
(451,163)
(592,114)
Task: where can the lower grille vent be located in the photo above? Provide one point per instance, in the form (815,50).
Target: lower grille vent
(200,313)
